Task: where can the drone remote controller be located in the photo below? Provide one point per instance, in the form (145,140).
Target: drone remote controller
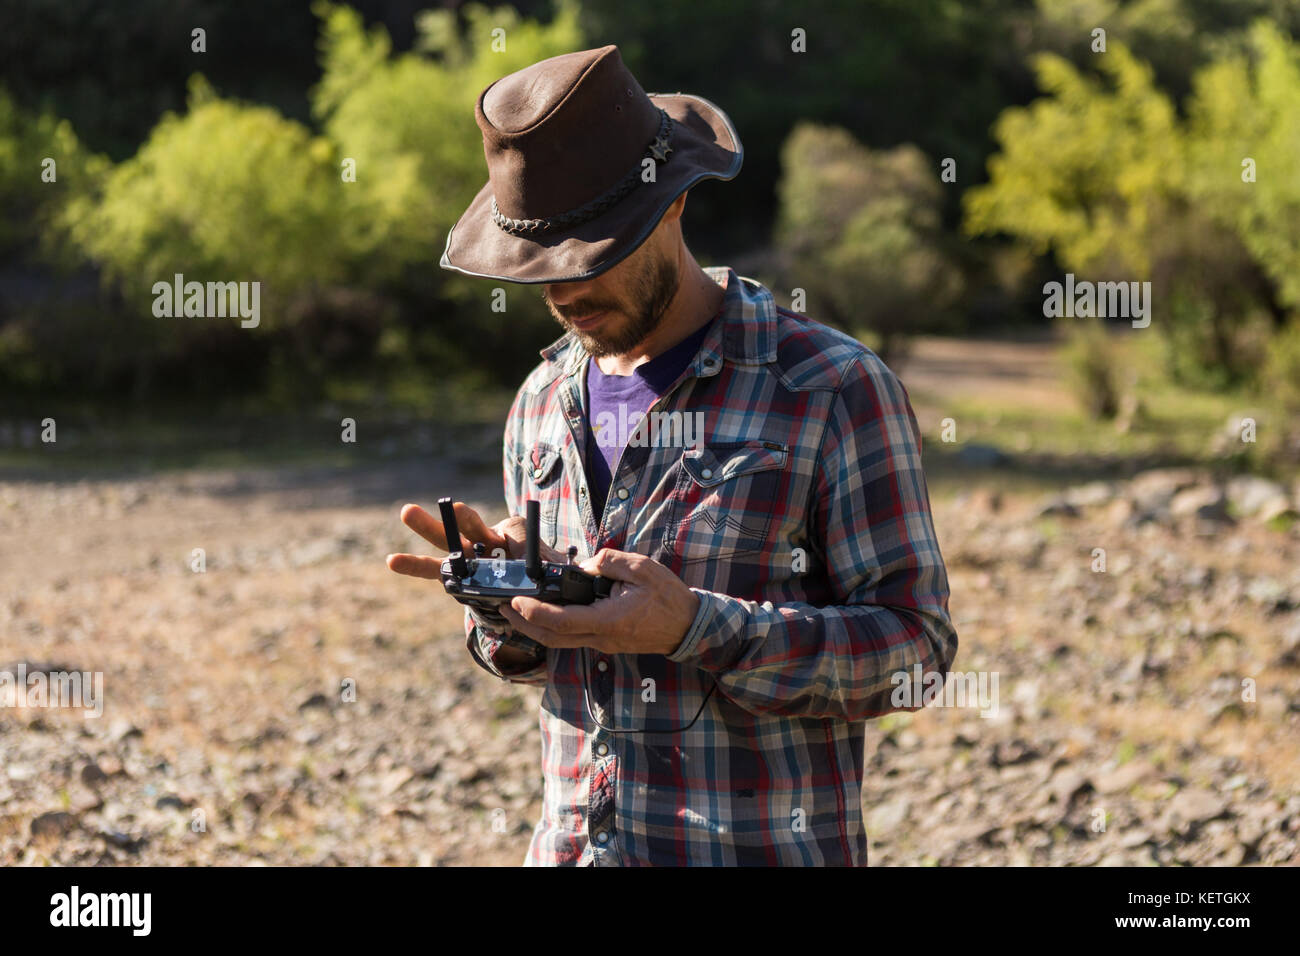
(487,583)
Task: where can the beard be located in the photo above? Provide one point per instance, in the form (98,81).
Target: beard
(650,291)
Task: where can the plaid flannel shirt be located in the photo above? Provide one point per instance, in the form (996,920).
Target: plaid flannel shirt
(801,518)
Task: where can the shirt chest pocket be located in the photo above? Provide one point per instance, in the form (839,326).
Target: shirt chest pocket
(543,475)
(724,500)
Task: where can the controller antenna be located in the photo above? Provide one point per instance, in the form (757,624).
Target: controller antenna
(532,547)
(459,566)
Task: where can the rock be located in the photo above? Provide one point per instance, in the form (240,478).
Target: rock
(92,774)
(1192,807)
(121,730)
(56,823)
(1278,510)
(1058,507)
(392,781)
(1124,778)
(1203,502)
(1152,491)
(1092,494)
(315,700)
(1135,837)
(1068,785)
(887,817)
(121,840)
(1121,512)
(84,801)
(1269,592)
(1290,656)
(1249,494)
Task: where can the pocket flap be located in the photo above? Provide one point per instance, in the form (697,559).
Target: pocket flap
(542,464)
(721,461)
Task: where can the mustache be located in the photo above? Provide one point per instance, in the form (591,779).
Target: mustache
(585,311)
(581,310)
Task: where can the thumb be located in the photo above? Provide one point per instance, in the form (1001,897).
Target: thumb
(616,565)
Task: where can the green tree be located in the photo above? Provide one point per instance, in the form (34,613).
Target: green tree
(1244,151)
(408,120)
(859,230)
(1103,173)
(43,167)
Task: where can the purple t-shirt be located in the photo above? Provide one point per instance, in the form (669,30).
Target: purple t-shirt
(616,403)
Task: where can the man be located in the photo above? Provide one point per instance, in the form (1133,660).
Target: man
(767,518)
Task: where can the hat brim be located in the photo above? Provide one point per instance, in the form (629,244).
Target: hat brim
(705,146)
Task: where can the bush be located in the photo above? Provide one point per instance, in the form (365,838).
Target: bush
(1094,369)
(28,204)
(1282,369)
(225,192)
(859,231)
(1103,173)
(408,121)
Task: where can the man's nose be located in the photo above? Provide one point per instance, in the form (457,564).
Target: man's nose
(563,293)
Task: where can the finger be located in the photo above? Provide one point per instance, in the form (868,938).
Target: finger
(619,565)
(417,566)
(425,525)
(473,527)
(548,637)
(569,619)
(469,522)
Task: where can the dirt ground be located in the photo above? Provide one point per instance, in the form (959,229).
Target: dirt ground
(1122,734)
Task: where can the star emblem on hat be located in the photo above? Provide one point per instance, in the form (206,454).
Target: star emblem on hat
(660,148)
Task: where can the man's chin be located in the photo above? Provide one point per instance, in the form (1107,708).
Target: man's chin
(596,347)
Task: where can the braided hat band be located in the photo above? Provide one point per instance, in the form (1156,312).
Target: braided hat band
(658,150)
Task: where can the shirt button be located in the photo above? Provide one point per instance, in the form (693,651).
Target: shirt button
(707,473)
(537,472)
(602,666)
(602,749)
(622,494)
(602,837)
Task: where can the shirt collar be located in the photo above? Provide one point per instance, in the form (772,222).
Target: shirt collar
(745,332)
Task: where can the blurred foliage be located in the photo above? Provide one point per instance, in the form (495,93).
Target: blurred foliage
(1104,174)
(408,120)
(1092,359)
(1091,167)
(1247,106)
(227,191)
(859,231)
(29,204)
(232,191)
(1282,371)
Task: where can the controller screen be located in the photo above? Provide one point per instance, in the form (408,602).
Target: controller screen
(501,574)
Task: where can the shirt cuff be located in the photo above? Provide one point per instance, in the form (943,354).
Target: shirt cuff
(482,642)
(689,649)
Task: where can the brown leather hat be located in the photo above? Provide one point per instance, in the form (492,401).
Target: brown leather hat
(565,141)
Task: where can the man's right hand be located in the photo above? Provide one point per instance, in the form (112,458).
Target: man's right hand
(507,536)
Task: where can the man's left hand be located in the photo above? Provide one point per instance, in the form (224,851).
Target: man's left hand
(648,612)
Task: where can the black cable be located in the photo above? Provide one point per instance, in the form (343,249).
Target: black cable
(586,697)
